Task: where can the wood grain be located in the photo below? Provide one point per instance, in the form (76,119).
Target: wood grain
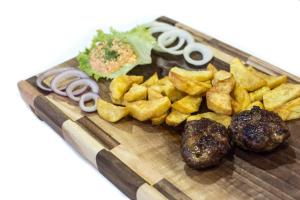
(119,174)
(148,192)
(82,141)
(104,137)
(28,92)
(170,191)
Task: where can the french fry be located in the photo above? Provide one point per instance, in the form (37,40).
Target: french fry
(175,118)
(187,104)
(258,94)
(222,119)
(244,77)
(151,81)
(197,76)
(159,120)
(110,112)
(255,103)
(281,95)
(290,110)
(241,99)
(135,93)
(219,102)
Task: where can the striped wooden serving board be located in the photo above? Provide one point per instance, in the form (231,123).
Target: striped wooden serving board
(144,161)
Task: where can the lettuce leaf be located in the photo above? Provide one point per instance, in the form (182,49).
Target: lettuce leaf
(139,38)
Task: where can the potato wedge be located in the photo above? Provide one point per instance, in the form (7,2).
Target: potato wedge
(122,84)
(280,95)
(169,90)
(159,120)
(224,86)
(220,76)
(290,110)
(244,77)
(110,112)
(175,118)
(154,94)
(143,110)
(219,102)
(255,103)
(212,68)
(242,99)
(258,94)
(188,86)
(119,102)
(151,81)
(135,93)
(187,104)
(272,81)
(222,119)
(197,76)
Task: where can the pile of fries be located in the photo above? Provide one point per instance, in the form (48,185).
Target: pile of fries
(176,97)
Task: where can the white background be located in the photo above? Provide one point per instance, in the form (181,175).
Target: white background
(35,163)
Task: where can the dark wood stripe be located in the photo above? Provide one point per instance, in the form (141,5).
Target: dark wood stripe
(220,64)
(108,141)
(229,49)
(170,191)
(166,20)
(118,173)
(269,176)
(49,112)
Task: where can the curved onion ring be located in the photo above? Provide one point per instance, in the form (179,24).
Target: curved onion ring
(86,97)
(177,33)
(45,75)
(155,24)
(81,82)
(168,41)
(65,75)
(207,54)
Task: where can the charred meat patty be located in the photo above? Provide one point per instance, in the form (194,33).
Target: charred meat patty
(204,143)
(258,130)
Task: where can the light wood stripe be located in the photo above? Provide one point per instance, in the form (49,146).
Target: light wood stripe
(147,192)
(81,140)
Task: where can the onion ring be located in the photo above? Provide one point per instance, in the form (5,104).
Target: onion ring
(86,97)
(85,82)
(207,54)
(66,75)
(177,33)
(41,77)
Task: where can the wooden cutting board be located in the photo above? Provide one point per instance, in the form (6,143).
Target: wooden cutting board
(144,161)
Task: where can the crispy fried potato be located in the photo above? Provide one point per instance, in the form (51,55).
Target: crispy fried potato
(135,93)
(241,99)
(290,110)
(151,81)
(175,118)
(225,86)
(212,68)
(159,120)
(244,77)
(121,84)
(169,90)
(188,86)
(143,110)
(255,103)
(222,119)
(110,112)
(280,95)
(258,94)
(197,76)
(153,94)
(119,102)
(187,104)
(220,76)
(272,81)
(219,102)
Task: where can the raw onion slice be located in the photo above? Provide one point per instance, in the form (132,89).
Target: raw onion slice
(81,82)
(66,75)
(174,33)
(87,97)
(156,23)
(207,54)
(45,75)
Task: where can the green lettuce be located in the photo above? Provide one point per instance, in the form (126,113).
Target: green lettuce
(139,38)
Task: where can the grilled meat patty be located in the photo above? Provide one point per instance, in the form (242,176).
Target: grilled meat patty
(204,143)
(258,130)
